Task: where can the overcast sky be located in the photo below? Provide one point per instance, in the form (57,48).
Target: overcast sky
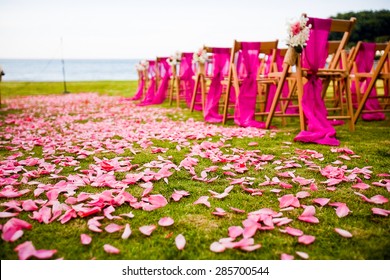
(149,28)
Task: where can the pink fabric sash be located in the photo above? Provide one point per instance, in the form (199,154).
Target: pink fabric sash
(152,84)
(166,73)
(244,111)
(140,90)
(364,62)
(221,58)
(314,56)
(186,79)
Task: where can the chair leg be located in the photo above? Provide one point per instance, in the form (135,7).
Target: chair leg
(277,96)
(193,98)
(300,95)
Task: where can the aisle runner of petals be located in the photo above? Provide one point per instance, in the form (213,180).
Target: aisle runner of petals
(71,128)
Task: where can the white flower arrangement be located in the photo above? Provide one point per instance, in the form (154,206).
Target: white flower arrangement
(298,33)
(142,65)
(174,59)
(200,56)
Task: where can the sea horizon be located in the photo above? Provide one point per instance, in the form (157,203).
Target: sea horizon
(75,69)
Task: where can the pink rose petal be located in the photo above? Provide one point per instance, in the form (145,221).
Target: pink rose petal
(217,247)
(203,200)
(303,255)
(127,232)
(166,222)
(286,257)
(321,201)
(180,242)
(110,249)
(294,231)
(306,239)
(85,239)
(235,231)
(147,230)
(381,212)
(113,228)
(343,232)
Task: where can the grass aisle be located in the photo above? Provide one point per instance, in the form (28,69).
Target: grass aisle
(96,169)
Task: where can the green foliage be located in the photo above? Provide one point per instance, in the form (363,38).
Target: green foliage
(371,26)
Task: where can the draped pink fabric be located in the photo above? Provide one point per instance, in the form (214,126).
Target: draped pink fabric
(187,82)
(140,90)
(245,107)
(165,73)
(220,64)
(364,62)
(152,84)
(272,88)
(314,56)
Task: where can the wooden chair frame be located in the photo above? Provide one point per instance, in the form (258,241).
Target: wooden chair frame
(268,48)
(332,73)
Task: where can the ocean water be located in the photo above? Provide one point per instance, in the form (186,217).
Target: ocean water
(75,69)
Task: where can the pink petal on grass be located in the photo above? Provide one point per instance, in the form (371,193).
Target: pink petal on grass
(321,201)
(361,186)
(293,231)
(302,194)
(219,212)
(250,248)
(127,232)
(237,210)
(85,239)
(8,214)
(180,242)
(380,211)
(166,222)
(147,230)
(203,200)
(110,249)
(217,247)
(13,229)
(303,255)
(113,228)
(306,239)
(158,200)
(309,219)
(27,250)
(286,200)
(286,257)
(343,232)
(379,199)
(342,210)
(235,231)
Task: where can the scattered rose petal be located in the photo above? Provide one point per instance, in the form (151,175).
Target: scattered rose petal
(166,222)
(180,242)
(217,247)
(85,239)
(127,232)
(147,230)
(110,249)
(343,232)
(306,239)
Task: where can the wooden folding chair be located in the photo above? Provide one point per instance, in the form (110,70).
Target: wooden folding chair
(379,71)
(238,72)
(182,83)
(337,70)
(205,74)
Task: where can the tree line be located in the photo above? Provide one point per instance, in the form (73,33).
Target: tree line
(371,26)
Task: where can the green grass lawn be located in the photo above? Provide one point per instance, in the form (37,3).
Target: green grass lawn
(370,141)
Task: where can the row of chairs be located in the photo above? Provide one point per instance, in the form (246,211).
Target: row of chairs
(254,82)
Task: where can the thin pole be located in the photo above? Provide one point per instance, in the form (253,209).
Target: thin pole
(63,67)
